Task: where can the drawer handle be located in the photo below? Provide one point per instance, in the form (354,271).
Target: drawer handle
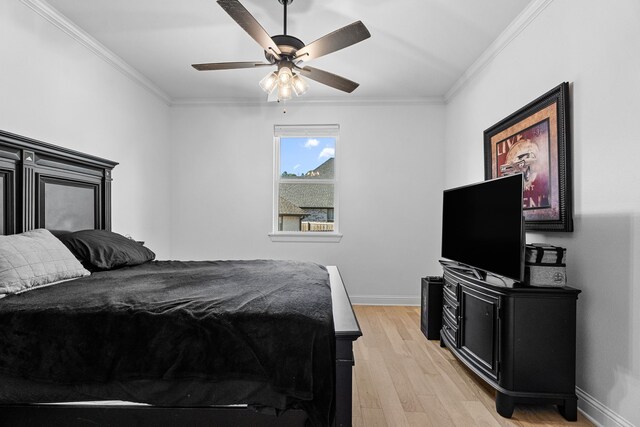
(447,306)
(447,285)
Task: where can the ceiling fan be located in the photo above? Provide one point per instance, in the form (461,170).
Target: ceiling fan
(288,53)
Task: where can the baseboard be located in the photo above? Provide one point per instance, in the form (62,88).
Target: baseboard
(384,300)
(597,412)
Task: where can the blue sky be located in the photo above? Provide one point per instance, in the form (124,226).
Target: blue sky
(300,155)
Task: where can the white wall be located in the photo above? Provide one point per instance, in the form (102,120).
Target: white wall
(594,45)
(55,90)
(391,176)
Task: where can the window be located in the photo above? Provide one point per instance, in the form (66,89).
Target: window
(305,183)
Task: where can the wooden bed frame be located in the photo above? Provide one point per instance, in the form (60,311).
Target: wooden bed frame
(39,182)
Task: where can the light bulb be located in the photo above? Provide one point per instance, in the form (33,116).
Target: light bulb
(269,82)
(284,92)
(284,76)
(300,86)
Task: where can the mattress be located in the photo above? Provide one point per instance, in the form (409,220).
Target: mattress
(174,333)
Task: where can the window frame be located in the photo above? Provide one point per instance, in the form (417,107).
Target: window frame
(304,131)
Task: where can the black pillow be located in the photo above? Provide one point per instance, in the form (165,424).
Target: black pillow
(59,233)
(105,250)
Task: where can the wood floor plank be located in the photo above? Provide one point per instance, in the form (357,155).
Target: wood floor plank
(403,379)
(419,419)
(395,341)
(367,394)
(374,418)
(438,414)
(420,384)
(401,327)
(480,414)
(389,399)
(420,355)
(356,411)
(402,384)
(458,413)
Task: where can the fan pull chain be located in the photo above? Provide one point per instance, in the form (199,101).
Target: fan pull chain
(284,106)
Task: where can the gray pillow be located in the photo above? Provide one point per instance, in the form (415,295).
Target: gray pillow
(34,259)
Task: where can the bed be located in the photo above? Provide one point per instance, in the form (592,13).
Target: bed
(47,187)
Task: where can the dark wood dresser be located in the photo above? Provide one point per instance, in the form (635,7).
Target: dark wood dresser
(521,340)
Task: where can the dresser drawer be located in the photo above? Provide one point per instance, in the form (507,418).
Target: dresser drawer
(450,288)
(450,329)
(450,308)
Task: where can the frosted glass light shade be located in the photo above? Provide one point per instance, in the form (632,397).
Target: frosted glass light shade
(300,86)
(284,76)
(284,92)
(269,82)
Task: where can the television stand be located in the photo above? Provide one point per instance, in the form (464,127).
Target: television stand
(479,274)
(520,340)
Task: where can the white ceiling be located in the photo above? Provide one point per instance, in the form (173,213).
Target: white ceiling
(417,49)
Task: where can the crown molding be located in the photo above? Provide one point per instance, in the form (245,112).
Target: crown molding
(195,102)
(45,10)
(518,25)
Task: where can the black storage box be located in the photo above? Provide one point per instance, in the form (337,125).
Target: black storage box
(431,307)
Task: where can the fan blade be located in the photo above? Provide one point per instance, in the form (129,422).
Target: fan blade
(228,65)
(339,39)
(248,23)
(329,79)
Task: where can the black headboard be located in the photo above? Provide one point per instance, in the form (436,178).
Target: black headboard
(46,186)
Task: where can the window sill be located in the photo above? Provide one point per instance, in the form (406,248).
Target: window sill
(317,237)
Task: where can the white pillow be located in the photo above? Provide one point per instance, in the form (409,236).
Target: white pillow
(33,259)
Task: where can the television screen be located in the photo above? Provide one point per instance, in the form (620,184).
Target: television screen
(483,226)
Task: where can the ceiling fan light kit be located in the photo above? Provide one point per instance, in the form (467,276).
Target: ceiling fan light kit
(300,86)
(284,92)
(284,74)
(269,82)
(288,53)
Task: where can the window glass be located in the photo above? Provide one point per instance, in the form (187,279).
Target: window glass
(307,158)
(306,206)
(305,187)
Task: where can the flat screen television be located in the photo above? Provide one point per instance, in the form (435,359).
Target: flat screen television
(483,226)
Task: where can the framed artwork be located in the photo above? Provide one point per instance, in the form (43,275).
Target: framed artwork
(535,141)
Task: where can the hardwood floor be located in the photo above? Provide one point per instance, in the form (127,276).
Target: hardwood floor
(403,379)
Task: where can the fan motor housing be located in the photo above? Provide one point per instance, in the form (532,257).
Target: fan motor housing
(288,46)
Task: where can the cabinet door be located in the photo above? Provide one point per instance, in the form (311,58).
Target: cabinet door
(479,329)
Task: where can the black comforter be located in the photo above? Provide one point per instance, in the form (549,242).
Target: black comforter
(261,329)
